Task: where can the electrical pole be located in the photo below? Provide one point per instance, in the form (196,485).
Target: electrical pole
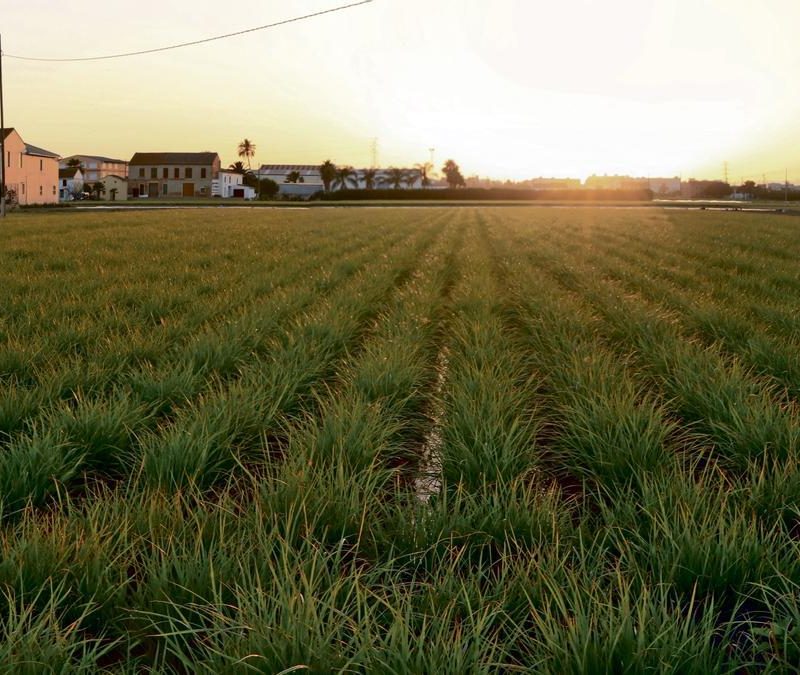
(725,171)
(786,188)
(2,141)
(375,152)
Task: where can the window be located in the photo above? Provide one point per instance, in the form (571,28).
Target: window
(141,188)
(23,188)
(41,165)
(188,172)
(177,172)
(165,172)
(54,189)
(153,172)
(164,188)
(202,173)
(41,188)
(141,173)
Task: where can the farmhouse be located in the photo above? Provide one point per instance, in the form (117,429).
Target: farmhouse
(95,167)
(70,182)
(173,174)
(115,188)
(31,172)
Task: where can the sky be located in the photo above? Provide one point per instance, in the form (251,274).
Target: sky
(509,89)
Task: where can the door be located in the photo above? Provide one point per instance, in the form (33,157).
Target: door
(238,192)
(188,189)
(152,190)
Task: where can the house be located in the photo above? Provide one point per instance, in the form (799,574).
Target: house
(231,184)
(70,183)
(96,167)
(172,174)
(115,188)
(665,186)
(30,172)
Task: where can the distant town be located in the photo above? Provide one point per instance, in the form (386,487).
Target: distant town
(36,176)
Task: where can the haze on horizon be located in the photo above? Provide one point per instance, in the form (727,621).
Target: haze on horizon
(509,89)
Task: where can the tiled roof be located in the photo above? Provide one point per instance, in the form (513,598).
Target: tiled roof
(68,173)
(181,158)
(289,167)
(39,152)
(99,158)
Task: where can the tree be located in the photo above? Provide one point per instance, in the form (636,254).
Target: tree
(327,172)
(370,178)
(97,189)
(75,162)
(238,167)
(394,177)
(346,176)
(424,170)
(247,149)
(294,177)
(452,174)
(268,189)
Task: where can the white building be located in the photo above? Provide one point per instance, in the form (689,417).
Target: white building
(231,184)
(70,182)
(296,180)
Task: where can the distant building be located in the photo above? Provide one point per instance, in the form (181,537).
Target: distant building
(296,180)
(115,188)
(172,174)
(31,172)
(95,167)
(70,183)
(665,186)
(551,183)
(616,183)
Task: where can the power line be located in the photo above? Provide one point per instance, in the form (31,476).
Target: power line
(193,42)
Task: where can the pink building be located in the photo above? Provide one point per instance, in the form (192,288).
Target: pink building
(31,172)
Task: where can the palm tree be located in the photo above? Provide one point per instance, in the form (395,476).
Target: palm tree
(98,188)
(238,167)
(394,177)
(370,177)
(294,177)
(327,172)
(247,149)
(346,176)
(75,163)
(424,169)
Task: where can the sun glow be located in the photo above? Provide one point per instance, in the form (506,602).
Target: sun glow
(510,89)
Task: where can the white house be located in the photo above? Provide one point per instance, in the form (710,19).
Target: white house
(231,184)
(70,182)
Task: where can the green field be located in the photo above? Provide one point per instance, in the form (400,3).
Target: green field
(430,440)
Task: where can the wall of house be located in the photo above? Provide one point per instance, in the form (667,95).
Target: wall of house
(140,177)
(115,183)
(34,179)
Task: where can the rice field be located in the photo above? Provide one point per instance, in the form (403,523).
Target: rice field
(429,440)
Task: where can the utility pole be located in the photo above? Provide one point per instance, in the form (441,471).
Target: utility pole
(786,188)
(431,150)
(2,141)
(725,171)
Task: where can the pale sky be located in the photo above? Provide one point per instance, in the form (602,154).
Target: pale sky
(507,88)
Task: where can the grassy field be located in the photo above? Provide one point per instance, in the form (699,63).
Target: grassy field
(400,441)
